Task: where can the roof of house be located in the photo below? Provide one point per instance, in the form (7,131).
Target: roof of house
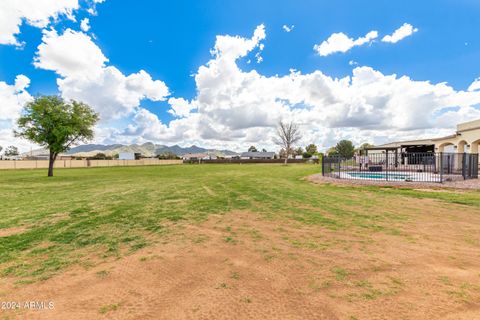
(258,154)
(447,137)
(461,127)
(398,144)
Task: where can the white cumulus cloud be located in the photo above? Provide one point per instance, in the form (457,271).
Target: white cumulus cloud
(404,31)
(93,7)
(85,25)
(71,54)
(340,42)
(86,76)
(287,28)
(475,85)
(180,107)
(234,47)
(37,13)
(236,108)
(13,97)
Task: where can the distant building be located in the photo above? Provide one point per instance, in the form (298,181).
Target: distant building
(65,157)
(232,156)
(126,156)
(199,156)
(45,156)
(37,157)
(11,158)
(257,155)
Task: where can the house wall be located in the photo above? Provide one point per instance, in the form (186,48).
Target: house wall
(467,141)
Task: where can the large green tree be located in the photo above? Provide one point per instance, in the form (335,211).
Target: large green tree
(363,147)
(11,151)
(345,148)
(56,124)
(311,149)
(299,151)
(332,152)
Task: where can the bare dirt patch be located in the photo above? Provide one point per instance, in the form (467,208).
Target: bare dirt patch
(242,265)
(11,231)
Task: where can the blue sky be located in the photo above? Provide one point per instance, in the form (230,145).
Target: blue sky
(170,40)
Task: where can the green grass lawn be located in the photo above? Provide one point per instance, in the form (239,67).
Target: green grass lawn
(113,211)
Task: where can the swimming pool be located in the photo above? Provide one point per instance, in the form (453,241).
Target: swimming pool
(391,176)
(380,176)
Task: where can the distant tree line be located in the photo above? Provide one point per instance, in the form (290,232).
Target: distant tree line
(10,151)
(346,149)
(168,155)
(254,149)
(309,151)
(103,156)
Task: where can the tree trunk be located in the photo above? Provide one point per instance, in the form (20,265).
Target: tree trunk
(51,161)
(287,153)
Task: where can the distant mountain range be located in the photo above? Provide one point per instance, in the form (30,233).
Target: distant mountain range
(148,149)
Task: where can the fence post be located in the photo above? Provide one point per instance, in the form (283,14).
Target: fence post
(475,166)
(424,163)
(471,158)
(323,168)
(386,165)
(467,167)
(441,167)
(448,164)
(464,165)
(339,167)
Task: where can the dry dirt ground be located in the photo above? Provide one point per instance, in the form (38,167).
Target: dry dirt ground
(242,265)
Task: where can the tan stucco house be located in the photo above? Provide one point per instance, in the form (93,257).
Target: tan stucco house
(465,140)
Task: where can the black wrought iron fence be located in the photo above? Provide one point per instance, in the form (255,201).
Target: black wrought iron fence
(470,166)
(392,166)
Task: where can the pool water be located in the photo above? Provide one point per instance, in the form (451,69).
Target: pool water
(380,176)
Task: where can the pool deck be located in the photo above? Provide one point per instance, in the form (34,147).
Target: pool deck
(473,184)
